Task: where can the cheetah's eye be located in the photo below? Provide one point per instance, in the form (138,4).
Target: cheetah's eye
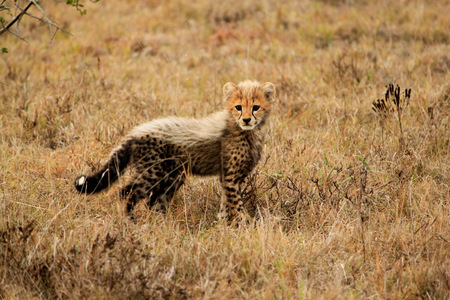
(255,107)
(238,107)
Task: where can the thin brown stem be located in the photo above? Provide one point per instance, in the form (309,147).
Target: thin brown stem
(17,18)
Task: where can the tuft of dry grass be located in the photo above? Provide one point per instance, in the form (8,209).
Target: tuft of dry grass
(347,203)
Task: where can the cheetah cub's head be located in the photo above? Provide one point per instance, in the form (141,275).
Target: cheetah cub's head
(249,102)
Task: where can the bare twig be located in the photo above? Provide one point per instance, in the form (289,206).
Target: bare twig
(45,19)
(17,18)
(49,23)
(18,36)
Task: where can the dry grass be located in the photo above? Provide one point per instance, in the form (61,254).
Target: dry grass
(346,205)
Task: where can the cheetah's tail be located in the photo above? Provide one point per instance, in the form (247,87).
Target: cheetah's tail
(108,174)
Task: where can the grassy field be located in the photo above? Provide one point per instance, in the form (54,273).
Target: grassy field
(347,203)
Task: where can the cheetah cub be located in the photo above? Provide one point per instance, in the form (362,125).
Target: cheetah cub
(163,151)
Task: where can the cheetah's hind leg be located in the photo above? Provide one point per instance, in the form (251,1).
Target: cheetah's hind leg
(158,191)
(132,193)
(165,191)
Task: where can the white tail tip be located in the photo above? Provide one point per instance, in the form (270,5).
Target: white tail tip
(81,181)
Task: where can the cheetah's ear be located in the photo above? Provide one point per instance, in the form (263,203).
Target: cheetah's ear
(269,91)
(228,89)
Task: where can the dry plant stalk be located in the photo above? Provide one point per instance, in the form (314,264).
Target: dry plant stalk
(393,102)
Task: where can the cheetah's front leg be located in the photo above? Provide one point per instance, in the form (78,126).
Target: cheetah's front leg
(231,201)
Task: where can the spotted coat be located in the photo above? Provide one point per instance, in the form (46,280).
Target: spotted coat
(162,152)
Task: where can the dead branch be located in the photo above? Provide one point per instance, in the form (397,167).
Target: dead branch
(17,18)
(45,19)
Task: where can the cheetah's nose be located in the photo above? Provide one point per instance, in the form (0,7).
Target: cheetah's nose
(247,120)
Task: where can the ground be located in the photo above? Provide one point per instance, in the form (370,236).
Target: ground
(347,202)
